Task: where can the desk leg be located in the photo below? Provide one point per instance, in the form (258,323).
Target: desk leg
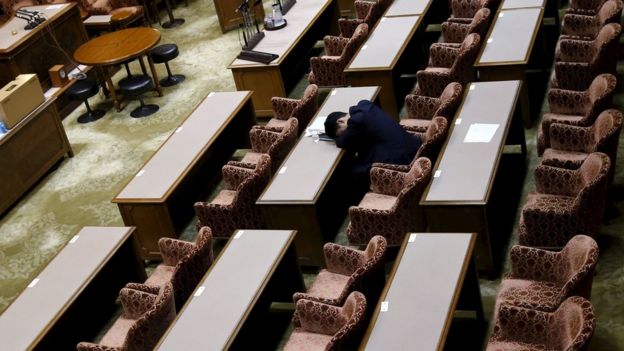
(471,293)
(155,76)
(387,94)
(111,90)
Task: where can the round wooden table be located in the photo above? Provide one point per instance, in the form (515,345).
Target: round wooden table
(117,47)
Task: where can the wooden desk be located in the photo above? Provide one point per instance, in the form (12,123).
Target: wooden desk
(423,291)
(159,199)
(308,192)
(74,296)
(29,150)
(117,47)
(238,287)
(230,19)
(378,61)
(508,47)
(464,173)
(308,21)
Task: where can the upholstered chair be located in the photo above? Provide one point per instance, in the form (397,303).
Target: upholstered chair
(576,107)
(110,7)
(349,270)
(449,63)
(365,11)
(577,62)
(586,27)
(147,313)
(322,327)
(569,328)
(570,145)
(566,202)
(542,280)
(467,9)
(455,31)
(421,109)
(390,208)
(329,70)
(276,142)
(303,109)
(585,7)
(184,264)
(235,206)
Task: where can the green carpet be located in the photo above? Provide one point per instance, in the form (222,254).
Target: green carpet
(110,151)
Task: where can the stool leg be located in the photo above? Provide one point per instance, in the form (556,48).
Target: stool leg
(143,110)
(128,70)
(168,69)
(172,79)
(90,115)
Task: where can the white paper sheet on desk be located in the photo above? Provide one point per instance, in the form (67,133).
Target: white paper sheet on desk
(98,19)
(481,132)
(51,92)
(318,126)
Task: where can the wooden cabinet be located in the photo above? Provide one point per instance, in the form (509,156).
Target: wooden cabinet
(229,18)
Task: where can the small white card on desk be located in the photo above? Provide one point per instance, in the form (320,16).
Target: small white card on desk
(481,132)
(98,19)
(384,306)
(318,126)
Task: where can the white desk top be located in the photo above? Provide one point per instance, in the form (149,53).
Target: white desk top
(407,7)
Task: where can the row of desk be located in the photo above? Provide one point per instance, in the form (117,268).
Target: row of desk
(67,303)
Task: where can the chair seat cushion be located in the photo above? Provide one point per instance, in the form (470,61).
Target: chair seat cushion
(542,296)
(545,200)
(572,159)
(328,285)
(116,335)
(128,13)
(516,346)
(136,85)
(276,123)
(301,340)
(161,275)
(378,201)
(252,157)
(225,197)
(562,117)
(83,89)
(443,70)
(164,53)
(415,124)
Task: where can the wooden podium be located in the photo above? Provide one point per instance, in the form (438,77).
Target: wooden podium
(230,19)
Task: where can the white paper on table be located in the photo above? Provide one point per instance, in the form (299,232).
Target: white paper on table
(98,19)
(481,132)
(318,126)
(51,92)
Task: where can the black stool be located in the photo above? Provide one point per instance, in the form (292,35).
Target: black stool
(136,86)
(82,90)
(164,54)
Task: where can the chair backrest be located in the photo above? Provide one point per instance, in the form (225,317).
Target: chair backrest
(371,259)
(147,329)
(605,47)
(358,38)
(449,100)
(463,66)
(354,311)
(191,268)
(578,259)
(307,107)
(610,12)
(585,4)
(467,8)
(574,322)
(433,138)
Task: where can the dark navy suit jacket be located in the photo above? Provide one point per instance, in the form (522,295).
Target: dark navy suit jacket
(376,137)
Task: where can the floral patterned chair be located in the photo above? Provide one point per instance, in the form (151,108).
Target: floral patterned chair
(235,206)
(303,109)
(466,9)
(569,328)
(542,280)
(570,145)
(322,327)
(184,264)
(421,109)
(585,7)
(367,12)
(276,142)
(449,63)
(566,202)
(349,270)
(390,208)
(147,313)
(586,27)
(576,107)
(329,70)
(456,30)
(577,62)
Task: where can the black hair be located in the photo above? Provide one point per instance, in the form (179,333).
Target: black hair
(331,123)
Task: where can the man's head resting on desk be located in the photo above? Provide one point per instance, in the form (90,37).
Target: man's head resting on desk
(336,123)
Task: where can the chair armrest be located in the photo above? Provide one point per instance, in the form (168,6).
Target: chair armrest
(573,75)
(87,346)
(172,250)
(283,107)
(347,27)
(421,107)
(341,259)
(334,45)
(579,25)
(555,181)
(136,302)
(386,181)
(442,55)
(544,260)
(572,50)
(570,138)
(234,173)
(454,32)
(143,287)
(568,102)
(318,317)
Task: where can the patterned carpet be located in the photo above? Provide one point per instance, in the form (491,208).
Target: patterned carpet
(111,150)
